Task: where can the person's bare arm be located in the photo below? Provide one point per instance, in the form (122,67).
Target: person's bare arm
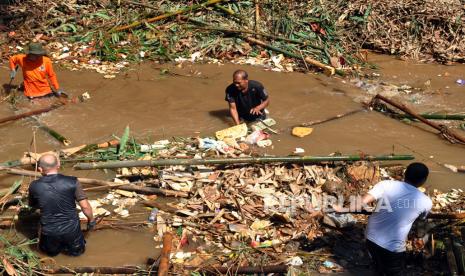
(234,113)
(366,199)
(257,110)
(86,209)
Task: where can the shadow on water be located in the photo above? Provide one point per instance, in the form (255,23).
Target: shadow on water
(222,114)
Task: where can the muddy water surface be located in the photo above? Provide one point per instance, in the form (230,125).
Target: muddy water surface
(190,102)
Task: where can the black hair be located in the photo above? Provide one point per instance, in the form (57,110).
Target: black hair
(416,174)
(243,74)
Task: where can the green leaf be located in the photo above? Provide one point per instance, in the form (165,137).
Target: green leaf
(367,13)
(124,141)
(68,26)
(102,15)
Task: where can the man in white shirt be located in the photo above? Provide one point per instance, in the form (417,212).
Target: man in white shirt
(398,205)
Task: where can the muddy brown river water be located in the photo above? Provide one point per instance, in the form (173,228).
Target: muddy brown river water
(191,103)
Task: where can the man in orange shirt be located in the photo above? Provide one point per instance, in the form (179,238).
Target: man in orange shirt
(39,78)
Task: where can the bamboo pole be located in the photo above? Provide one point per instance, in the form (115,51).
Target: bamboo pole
(238,160)
(60,138)
(165,254)
(37,174)
(447,133)
(455,117)
(236,270)
(167,15)
(32,159)
(105,184)
(31,113)
(226,30)
(141,190)
(97,270)
(329,70)
(452,216)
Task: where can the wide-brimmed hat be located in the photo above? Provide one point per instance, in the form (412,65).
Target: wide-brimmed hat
(35,49)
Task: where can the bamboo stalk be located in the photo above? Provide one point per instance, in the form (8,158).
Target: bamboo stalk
(329,70)
(65,152)
(447,133)
(238,160)
(167,15)
(60,138)
(37,174)
(98,270)
(453,216)
(457,117)
(236,270)
(141,190)
(31,113)
(226,30)
(165,254)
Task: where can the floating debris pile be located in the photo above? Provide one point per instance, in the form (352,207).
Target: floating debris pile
(277,216)
(282,35)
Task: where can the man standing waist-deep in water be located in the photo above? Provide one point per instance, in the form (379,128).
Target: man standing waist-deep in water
(247,98)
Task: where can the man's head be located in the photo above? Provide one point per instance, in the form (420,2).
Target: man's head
(35,51)
(416,174)
(241,80)
(49,164)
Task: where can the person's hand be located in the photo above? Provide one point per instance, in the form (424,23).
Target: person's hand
(12,74)
(60,93)
(91,225)
(256,111)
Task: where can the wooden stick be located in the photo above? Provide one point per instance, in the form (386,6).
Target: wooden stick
(165,254)
(333,118)
(447,133)
(218,216)
(167,15)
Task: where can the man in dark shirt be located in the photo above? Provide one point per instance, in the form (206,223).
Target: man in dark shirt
(56,196)
(247,98)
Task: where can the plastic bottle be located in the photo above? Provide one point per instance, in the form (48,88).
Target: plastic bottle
(153,215)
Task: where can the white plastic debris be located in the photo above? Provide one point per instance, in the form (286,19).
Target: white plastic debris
(295,261)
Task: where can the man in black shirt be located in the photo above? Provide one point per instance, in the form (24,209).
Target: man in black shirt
(56,196)
(247,98)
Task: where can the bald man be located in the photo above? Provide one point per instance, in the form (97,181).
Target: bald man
(56,196)
(247,98)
